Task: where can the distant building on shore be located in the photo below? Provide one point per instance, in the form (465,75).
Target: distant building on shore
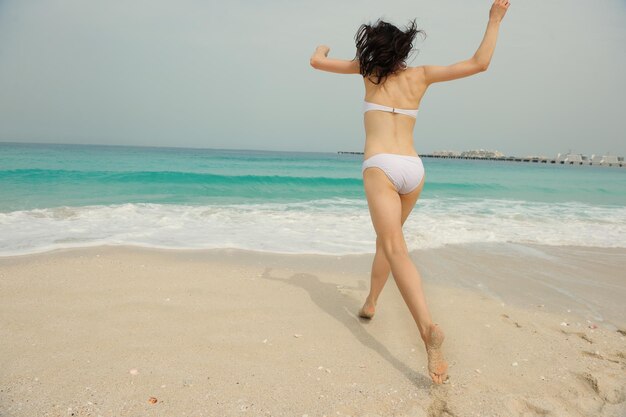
(571,158)
(446,153)
(580,159)
(482,153)
(474,153)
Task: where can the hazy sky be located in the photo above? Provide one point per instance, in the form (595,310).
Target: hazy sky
(236,74)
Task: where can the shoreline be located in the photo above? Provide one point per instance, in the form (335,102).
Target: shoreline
(271,252)
(100,331)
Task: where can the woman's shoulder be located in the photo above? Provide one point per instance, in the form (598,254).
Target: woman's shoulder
(415,74)
(416,70)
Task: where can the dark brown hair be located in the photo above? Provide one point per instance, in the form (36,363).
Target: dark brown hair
(382,48)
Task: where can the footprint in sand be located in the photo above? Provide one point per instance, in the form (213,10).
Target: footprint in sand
(598,355)
(579,334)
(507,319)
(611,388)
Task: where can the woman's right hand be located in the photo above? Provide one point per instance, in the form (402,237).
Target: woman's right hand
(498,10)
(323,49)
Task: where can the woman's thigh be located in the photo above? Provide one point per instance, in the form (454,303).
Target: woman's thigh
(388,209)
(408,200)
(384,203)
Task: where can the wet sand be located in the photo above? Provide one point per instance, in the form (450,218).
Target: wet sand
(120,331)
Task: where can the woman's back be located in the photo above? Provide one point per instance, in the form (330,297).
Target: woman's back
(388,132)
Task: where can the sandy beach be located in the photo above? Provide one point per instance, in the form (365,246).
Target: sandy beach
(125,331)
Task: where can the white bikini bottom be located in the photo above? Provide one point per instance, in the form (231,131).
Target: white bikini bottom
(404,171)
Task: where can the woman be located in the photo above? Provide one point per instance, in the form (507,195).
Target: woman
(393,174)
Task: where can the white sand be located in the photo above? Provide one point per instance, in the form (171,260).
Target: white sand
(234,333)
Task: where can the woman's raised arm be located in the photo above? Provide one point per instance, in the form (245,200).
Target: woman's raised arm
(481,59)
(320,61)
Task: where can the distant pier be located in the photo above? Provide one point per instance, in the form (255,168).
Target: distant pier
(536,160)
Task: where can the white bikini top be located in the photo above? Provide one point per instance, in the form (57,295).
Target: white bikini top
(367,106)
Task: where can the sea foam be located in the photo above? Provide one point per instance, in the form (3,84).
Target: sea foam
(332,226)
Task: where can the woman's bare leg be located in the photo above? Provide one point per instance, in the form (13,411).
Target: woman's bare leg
(380,266)
(378,277)
(385,208)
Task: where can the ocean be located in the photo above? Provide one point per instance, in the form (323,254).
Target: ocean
(60,196)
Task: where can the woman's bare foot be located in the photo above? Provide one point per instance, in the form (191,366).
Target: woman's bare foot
(368,309)
(437,366)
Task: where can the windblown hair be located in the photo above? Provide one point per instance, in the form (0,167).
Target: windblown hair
(382,48)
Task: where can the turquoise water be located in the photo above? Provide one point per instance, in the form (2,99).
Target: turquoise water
(39,176)
(203,196)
